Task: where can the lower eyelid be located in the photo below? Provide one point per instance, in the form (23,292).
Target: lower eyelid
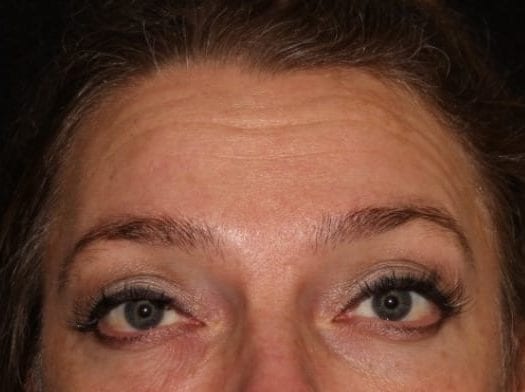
(148,338)
(136,339)
(395,330)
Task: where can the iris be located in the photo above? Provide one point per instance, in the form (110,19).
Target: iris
(393,305)
(143,314)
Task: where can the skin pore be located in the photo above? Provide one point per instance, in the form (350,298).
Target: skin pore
(265,218)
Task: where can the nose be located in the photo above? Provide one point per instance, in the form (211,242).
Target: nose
(276,358)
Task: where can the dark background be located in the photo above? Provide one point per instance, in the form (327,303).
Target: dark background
(30,34)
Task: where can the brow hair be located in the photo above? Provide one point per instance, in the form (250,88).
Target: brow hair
(161,230)
(332,230)
(150,230)
(377,220)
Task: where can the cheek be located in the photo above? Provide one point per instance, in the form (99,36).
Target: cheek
(460,357)
(437,371)
(67,369)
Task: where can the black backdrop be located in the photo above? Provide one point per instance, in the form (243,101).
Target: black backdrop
(30,33)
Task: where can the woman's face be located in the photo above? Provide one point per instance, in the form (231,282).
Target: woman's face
(219,230)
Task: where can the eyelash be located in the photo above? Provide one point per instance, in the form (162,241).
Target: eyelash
(450,301)
(98,307)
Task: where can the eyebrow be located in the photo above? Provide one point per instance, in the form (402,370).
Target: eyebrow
(331,230)
(365,222)
(162,231)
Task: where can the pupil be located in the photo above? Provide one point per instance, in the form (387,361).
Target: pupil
(391,302)
(393,305)
(144,311)
(143,314)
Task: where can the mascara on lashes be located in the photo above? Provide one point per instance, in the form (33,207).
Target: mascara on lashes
(87,317)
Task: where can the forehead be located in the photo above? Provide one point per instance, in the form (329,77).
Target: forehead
(250,150)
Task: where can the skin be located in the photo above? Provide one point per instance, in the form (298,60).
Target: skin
(259,160)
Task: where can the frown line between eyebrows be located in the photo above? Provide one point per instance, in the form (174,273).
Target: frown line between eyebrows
(332,230)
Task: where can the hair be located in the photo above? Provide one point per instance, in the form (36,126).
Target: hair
(421,45)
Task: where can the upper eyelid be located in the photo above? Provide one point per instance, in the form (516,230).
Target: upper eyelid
(127,295)
(398,267)
(401,269)
(164,301)
(367,289)
(83,308)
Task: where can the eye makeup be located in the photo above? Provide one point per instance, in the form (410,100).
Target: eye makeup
(403,304)
(448,300)
(143,305)
(393,301)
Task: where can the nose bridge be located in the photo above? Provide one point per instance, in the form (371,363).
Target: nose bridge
(276,357)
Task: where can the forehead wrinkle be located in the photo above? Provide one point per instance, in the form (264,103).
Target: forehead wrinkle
(172,90)
(381,110)
(249,118)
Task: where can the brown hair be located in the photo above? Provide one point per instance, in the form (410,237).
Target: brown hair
(415,43)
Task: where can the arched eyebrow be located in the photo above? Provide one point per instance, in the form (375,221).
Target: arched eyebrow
(151,230)
(336,229)
(330,231)
(162,231)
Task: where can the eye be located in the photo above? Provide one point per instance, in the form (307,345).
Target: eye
(140,315)
(398,305)
(132,312)
(407,305)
